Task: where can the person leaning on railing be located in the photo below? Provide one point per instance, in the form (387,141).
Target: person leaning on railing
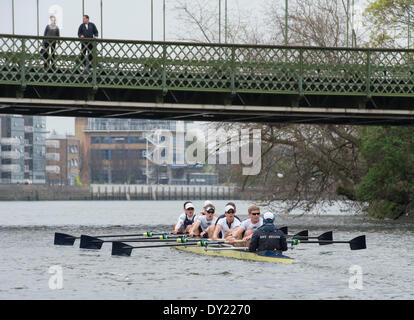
(87,30)
(49,46)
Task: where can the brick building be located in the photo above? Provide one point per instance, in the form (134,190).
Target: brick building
(63,159)
(114,151)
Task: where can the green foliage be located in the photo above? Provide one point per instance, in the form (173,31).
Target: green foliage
(78,183)
(388,21)
(388,186)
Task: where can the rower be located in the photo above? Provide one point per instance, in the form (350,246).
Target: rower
(205,205)
(268,237)
(234,207)
(225,226)
(250,225)
(205,224)
(185,220)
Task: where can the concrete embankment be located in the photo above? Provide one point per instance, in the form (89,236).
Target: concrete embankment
(13,192)
(161,192)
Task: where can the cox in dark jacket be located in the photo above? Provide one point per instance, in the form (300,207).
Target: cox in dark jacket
(268,237)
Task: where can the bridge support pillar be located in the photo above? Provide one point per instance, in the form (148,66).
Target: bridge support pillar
(92,93)
(159,98)
(295,101)
(20,92)
(228,99)
(362,103)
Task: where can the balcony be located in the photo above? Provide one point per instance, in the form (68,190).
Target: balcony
(14,168)
(52,144)
(10,155)
(10,141)
(53,156)
(53,169)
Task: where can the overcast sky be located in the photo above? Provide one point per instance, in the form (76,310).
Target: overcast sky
(122,19)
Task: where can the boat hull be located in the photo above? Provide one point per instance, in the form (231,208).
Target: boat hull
(237,254)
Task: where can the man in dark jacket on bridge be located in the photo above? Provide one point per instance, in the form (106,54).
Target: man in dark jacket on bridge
(87,30)
(267,237)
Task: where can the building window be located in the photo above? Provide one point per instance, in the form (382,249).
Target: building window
(137,139)
(99,140)
(120,139)
(107,154)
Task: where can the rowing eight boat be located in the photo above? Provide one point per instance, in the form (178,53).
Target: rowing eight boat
(269,256)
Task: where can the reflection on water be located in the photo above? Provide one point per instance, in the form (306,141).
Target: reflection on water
(319,272)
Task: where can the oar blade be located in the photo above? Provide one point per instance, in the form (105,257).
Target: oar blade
(121,249)
(62,239)
(303,235)
(327,236)
(88,242)
(284,230)
(358,243)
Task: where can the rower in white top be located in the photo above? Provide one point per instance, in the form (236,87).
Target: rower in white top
(249,226)
(205,224)
(185,220)
(205,205)
(226,225)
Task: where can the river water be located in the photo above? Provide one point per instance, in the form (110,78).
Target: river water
(385,270)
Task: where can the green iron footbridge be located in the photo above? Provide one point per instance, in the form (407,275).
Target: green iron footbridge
(208,82)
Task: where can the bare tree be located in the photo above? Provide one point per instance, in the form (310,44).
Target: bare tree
(301,164)
(202,18)
(311,23)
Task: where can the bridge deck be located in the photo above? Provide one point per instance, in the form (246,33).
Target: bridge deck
(204,74)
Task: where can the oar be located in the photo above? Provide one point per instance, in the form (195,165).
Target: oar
(357,243)
(303,235)
(89,242)
(284,229)
(63,239)
(300,235)
(123,249)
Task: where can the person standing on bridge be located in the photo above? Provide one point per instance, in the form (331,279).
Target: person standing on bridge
(87,30)
(49,46)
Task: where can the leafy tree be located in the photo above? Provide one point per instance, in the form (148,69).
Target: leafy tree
(388,186)
(389,22)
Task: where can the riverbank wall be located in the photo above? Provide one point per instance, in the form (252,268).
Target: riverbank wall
(13,192)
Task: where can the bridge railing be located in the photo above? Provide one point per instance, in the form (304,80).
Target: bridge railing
(39,61)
